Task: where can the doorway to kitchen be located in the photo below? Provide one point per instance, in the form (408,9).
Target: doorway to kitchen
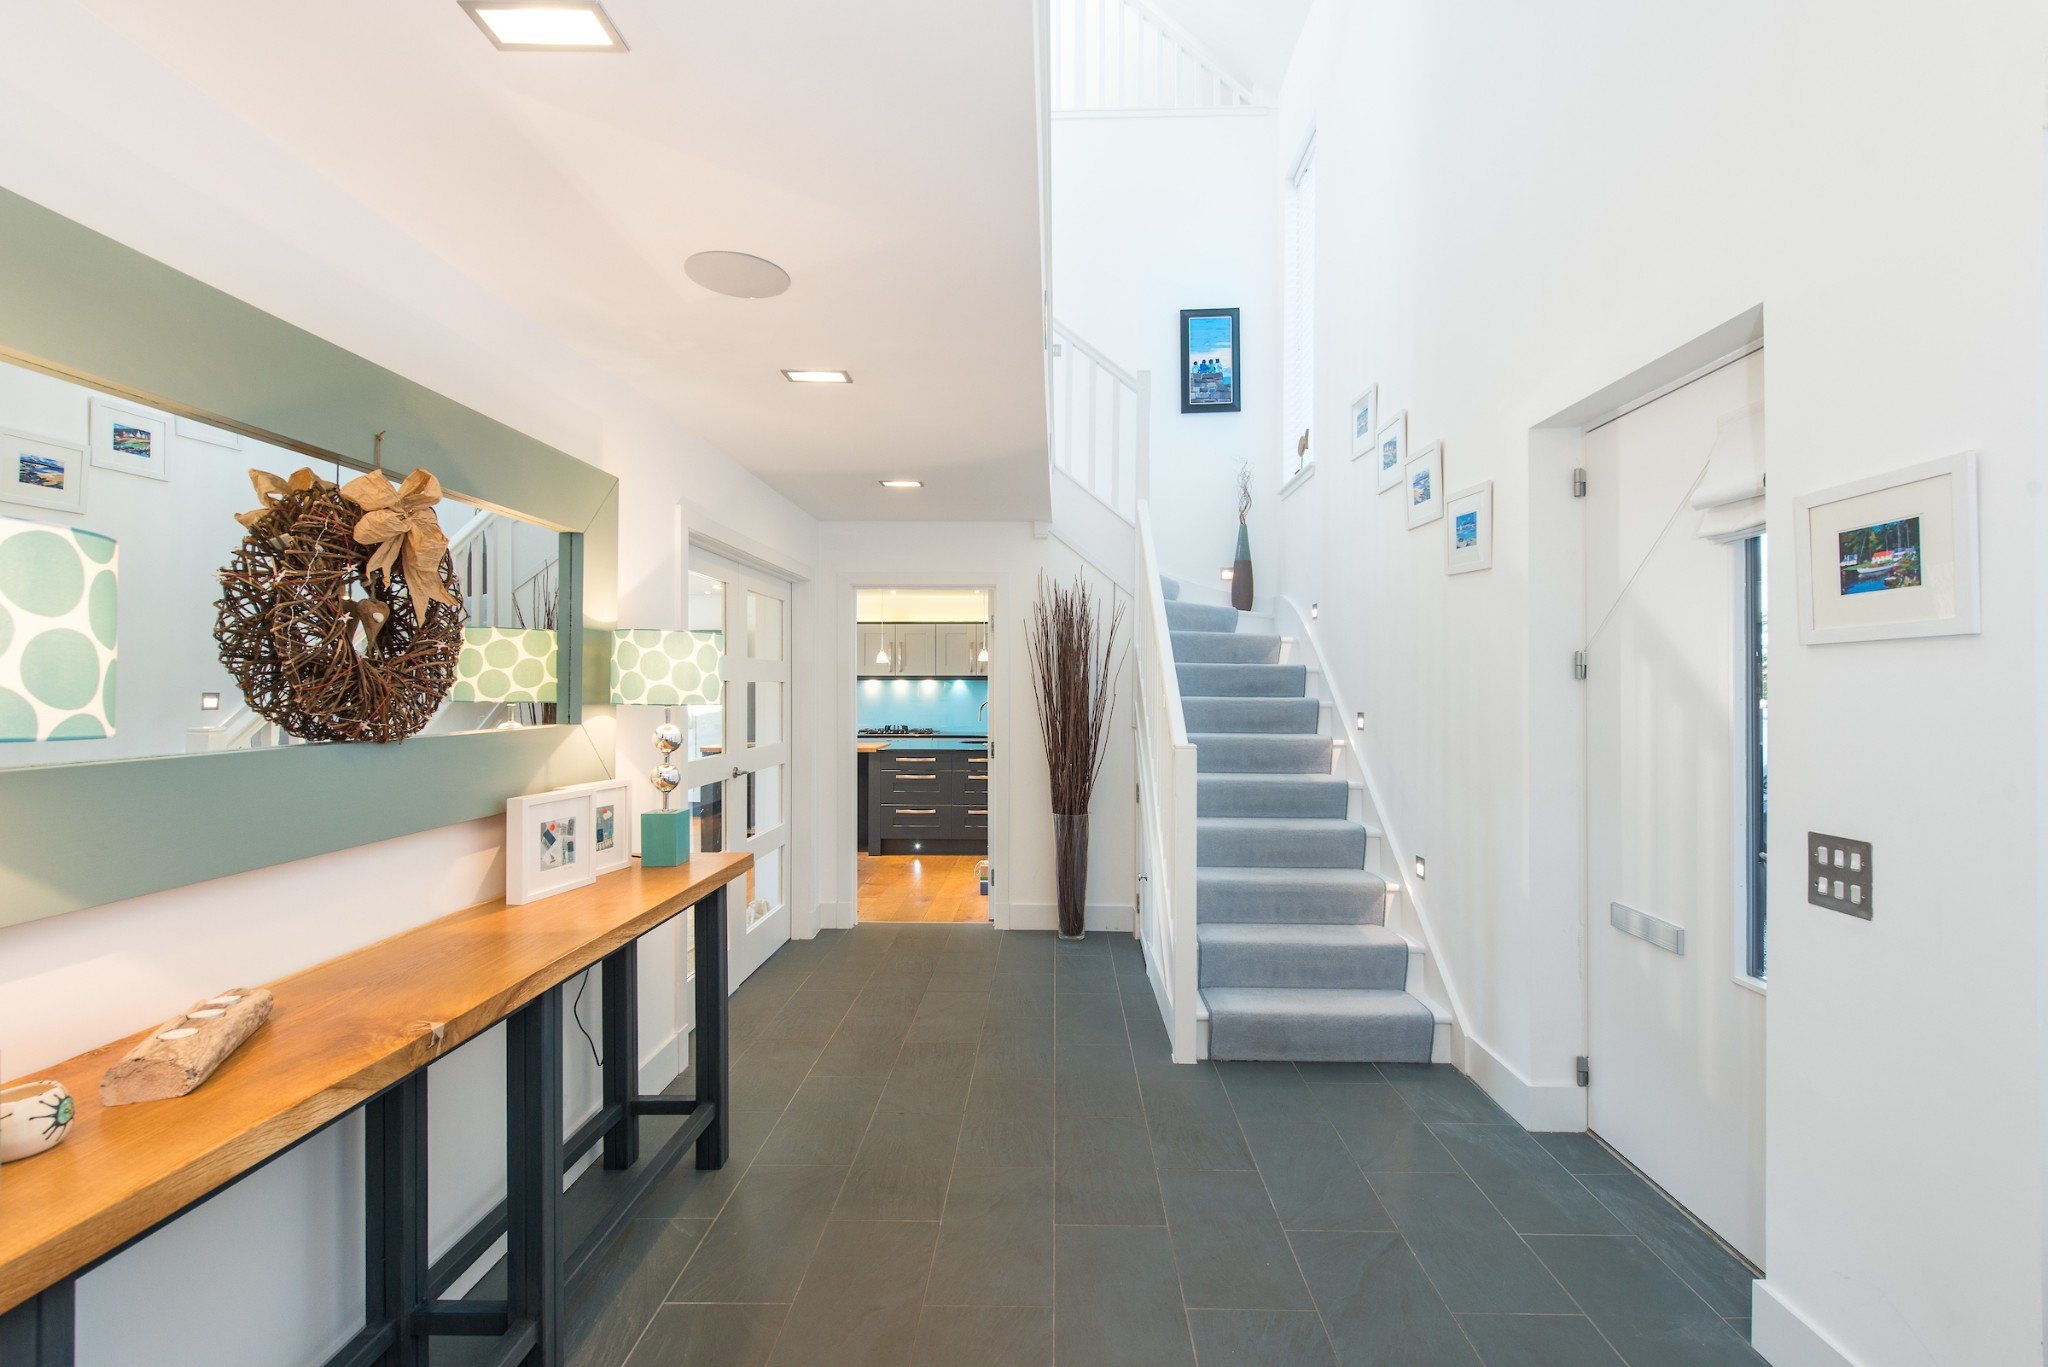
(921,712)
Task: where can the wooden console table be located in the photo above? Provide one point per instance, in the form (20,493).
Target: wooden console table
(359,1031)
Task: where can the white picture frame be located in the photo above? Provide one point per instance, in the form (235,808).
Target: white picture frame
(41,472)
(1423,479)
(616,852)
(1892,556)
(134,441)
(547,845)
(191,429)
(1392,444)
(1365,418)
(1468,529)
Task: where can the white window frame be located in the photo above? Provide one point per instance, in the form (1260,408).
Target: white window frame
(1298,318)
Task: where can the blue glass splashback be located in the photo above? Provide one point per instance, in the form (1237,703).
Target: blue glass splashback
(949,706)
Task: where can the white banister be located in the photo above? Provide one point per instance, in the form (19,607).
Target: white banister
(1166,814)
(1109,453)
(1124,54)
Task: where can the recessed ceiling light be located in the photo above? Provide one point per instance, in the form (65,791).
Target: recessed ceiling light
(902,484)
(546,25)
(817,377)
(737,274)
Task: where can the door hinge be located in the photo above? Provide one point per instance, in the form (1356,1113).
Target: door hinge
(1585,1070)
(1578,664)
(1579,483)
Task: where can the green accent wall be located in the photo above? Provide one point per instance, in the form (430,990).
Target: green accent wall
(80,305)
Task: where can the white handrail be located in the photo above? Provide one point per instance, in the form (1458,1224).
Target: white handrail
(1124,54)
(1110,453)
(1166,813)
(242,729)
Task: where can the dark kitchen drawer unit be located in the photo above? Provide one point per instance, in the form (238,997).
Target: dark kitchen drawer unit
(935,799)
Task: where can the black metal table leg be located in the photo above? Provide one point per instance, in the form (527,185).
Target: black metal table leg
(621,982)
(395,1215)
(533,1172)
(713,1006)
(39,1332)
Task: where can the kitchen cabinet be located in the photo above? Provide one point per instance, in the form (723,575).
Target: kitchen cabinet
(937,799)
(917,648)
(958,647)
(875,639)
(922,649)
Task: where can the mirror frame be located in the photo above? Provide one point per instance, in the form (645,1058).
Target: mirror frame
(81,306)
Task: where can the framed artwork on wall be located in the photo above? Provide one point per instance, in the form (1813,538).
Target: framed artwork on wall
(611,811)
(548,845)
(135,441)
(1425,477)
(1393,449)
(1210,378)
(37,472)
(1468,530)
(1365,417)
(1891,556)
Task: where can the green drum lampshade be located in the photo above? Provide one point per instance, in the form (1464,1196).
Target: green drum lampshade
(59,606)
(504,664)
(666,669)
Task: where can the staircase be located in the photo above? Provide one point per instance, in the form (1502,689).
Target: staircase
(1296,961)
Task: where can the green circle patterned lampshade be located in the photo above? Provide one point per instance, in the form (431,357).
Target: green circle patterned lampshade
(667,668)
(59,603)
(499,664)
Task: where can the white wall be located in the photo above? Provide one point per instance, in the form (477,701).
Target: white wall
(1152,215)
(1521,206)
(1008,558)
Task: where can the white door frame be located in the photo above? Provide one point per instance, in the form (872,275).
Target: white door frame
(1005,648)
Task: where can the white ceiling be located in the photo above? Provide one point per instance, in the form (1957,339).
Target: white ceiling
(884,153)
(1254,39)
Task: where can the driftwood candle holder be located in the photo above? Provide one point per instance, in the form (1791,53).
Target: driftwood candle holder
(181,1053)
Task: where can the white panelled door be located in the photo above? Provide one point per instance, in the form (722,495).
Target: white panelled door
(1675,1041)
(736,753)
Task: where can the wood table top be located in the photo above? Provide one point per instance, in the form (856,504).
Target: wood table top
(342,1031)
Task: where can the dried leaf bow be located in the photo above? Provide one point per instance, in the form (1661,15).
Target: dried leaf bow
(401,523)
(272,491)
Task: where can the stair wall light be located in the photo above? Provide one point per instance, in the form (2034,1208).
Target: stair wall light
(209,702)
(1226,574)
(1313,609)
(1421,867)
(1358,722)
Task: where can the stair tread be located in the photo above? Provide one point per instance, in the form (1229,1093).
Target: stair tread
(1266,780)
(1299,935)
(1353,1003)
(1274,823)
(1292,737)
(1282,878)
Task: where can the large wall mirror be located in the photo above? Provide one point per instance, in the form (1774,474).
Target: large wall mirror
(134,403)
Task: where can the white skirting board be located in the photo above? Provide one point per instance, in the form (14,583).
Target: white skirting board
(1046,916)
(1534,1105)
(1787,1338)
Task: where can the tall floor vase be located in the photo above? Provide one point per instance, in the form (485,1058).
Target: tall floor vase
(1070,868)
(1241,571)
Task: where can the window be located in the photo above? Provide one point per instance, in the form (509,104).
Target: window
(1299,382)
(1756,709)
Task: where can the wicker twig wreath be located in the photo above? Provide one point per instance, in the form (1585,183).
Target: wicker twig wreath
(320,619)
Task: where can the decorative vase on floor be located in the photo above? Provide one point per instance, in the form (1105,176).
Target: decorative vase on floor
(1074,668)
(1070,869)
(1241,567)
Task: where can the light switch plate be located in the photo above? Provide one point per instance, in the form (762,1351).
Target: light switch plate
(1838,874)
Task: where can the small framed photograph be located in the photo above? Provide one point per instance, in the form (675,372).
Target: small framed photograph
(1365,418)
(1393,448)
(191,429)
(37,472)
(548,845)
(611,811)
(1891,556)
(134,441)
(1209,377)
(1425,477)
(1468,522)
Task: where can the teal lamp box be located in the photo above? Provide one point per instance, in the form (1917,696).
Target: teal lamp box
(666,669)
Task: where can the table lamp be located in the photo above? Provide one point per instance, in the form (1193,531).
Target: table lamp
(58,611)
(505,665)
(666,669)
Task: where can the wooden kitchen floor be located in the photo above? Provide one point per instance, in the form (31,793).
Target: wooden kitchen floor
(920,887)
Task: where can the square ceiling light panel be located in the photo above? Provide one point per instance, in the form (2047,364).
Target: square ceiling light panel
(546,25)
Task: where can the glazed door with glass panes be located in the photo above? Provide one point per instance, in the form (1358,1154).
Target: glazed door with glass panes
(1673,792)
(736,752)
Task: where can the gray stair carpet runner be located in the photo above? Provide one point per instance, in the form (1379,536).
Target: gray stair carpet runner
(1296,959)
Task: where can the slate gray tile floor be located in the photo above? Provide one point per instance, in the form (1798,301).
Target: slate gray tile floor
(956,1147)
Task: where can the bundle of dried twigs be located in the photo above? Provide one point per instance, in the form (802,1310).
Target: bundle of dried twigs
(1074,669)
(310,655)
